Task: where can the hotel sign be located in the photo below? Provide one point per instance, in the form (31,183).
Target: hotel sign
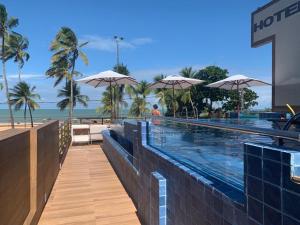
(278,23)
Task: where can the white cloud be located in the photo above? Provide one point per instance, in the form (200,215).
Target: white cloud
(108,44)
(141,41)
(25,76)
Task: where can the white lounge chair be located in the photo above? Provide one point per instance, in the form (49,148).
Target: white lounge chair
(96,132)
(80,138)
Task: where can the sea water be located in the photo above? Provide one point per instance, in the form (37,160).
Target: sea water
(40,115)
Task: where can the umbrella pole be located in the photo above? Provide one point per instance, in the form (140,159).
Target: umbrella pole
(111,102)
(174,111)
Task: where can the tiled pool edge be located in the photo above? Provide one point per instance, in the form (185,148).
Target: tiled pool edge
(272,196)
(191,198)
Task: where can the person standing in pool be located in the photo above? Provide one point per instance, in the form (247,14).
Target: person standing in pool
(155,111)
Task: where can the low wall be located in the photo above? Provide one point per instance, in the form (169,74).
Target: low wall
(192,199)
(45,147)
(122,164)
(29,164)
(14,176)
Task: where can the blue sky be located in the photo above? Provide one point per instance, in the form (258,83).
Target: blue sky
(160,37)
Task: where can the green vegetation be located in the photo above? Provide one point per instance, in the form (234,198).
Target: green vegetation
(66,52)
(119,93)
(17,50)
(66,93)
(139,93)
(24,95)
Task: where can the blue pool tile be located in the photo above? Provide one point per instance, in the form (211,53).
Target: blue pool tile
(163,221)
(291,204)
(272,172)
(286,158)
(254,166)
(162,211)
(290,221)
(254,188)
(254,150)
(162,200)
(253,222)
(272,195)
(272,154)
(271,216)
(255,210)
(225,222)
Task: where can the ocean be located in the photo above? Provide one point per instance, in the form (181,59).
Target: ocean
(44,114)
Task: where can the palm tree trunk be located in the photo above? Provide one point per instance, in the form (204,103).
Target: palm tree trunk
(30,115)
(25,115)
(192,103)
(6,85)
(71,83)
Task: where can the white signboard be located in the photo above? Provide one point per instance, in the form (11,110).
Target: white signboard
(279,22)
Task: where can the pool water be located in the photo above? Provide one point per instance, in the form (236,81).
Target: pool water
(214,153)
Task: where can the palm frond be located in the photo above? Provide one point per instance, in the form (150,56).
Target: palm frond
(83,44)
(12,22)
(84,57)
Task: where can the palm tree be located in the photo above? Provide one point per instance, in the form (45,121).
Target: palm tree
(66,93)
(186,95)
(23,95)
(138,107)
(119,92)
(6,26)
(18,46)
(164,96)
(105,100)
(67,50)
(139,93)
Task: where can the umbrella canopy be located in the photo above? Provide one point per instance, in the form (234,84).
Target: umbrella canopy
(175,82)
(108,78)
(237,82)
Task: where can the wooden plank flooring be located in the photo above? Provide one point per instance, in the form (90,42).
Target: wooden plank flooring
(88,192)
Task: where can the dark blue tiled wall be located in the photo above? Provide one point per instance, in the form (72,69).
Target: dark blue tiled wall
(271,195)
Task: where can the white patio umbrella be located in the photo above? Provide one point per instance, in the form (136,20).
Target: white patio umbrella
(108,78)
(237,82)
(175,82)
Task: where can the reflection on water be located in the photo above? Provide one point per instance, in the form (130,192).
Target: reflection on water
(214,152)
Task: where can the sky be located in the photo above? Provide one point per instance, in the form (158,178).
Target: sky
(159,37)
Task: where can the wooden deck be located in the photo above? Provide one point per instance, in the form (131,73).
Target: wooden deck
(88,192)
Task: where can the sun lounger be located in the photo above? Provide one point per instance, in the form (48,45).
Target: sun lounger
(80,133)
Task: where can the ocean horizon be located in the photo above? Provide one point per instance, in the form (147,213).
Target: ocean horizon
(47,114)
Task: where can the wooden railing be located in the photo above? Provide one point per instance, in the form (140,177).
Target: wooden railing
(65,139)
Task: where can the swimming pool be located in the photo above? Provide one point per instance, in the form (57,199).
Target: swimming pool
(214,153)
